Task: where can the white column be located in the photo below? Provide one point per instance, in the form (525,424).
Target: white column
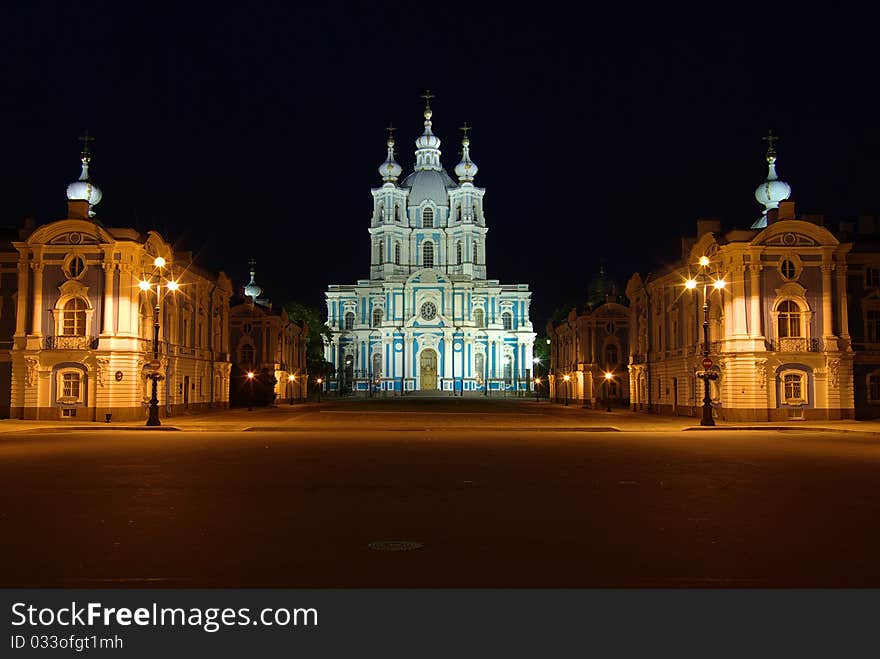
(827,327)
(37,320)
(738,292)
(21,306)
(842,311)
(755,330)
(108,299)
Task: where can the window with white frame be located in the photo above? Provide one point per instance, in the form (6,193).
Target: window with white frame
(70,388)
(789,323)
(458,253)
(507,320)
(428,218)
(396,253)
(73,317)
(794,389)
(381,253)
(428,255)
(377,317)
(479,318)
(349,320)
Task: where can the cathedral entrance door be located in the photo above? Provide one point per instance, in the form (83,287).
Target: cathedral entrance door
(428,371)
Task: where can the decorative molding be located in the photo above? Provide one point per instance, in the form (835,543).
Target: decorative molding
(834,370)
(32,364)
(102,363)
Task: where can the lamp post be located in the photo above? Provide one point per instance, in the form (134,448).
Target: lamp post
(250,381)
(608,377)
(706,375)
(567,379)
(536,361)
(290,380)
(157,278)
(320,382)
(537,382)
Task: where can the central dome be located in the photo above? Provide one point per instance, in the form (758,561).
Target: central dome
(429,184)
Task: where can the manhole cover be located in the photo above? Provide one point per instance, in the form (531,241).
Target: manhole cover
(395,545)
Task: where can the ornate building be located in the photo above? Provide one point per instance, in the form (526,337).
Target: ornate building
(83,337)
(428,319)
(267,340)
(779,338)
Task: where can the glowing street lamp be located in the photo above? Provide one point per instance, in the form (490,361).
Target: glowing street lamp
(608,377)
(707,374)
(320,381)
(537,382)
(567,379)
(157,278)
(290,380)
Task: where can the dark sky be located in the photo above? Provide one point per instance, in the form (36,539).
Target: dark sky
(256,130)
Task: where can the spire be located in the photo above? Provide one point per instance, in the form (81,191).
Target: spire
(390,170)
(772,190)
(466,170)
(428,145)
(252,290)
(83,189)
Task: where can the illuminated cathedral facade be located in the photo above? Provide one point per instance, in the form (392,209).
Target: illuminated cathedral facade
(428,319)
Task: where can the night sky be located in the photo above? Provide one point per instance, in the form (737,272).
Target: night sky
(256,130)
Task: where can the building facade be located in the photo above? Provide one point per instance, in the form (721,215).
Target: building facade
(428,319)
(266,340)
(82,345)
(775,300)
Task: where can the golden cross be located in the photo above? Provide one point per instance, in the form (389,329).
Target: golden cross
(428,96)
(390,130)
(85,139)
(770,139)
(464,129)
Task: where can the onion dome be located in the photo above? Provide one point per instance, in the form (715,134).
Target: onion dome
(467,168)
(83,188)
(772,190)
(252,290)
(390,170)
(428,145)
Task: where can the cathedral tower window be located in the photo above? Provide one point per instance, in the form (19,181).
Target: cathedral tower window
(507,320)
(396,213)
(480,318)
(428,218)
(377,317)
(474,257)
(349,320)
(789,323)
(458,253)
(428,255)
(73,319)
(396,253)
(381,253)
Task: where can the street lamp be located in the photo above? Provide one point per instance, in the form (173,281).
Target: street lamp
(707,374)
(567,379)
(608,377)
(157,278)
(250,378)
(537,382)
(290,380)
(319,381)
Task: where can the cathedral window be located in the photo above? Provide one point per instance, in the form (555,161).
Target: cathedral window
(73,318)
(872,326)
(474,258)
(788,269)
(396,213)
(507,320)
(377,317)
(428,218)
(428,255)
(789,323)
(396,253)
(349,320)
(381,253)
(458,253)
(479,366)
(480,318)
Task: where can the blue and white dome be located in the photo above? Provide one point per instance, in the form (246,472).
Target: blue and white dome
(83,189)
(467,169)
(772,190)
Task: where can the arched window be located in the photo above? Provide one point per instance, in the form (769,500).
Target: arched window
(428,255)
(789,323)
(381,253)
(474,255)
(611,357)
(73,318)
(396,253)
(377,317)
(246,354)
(349,320)
(507,320)
(458,253)
(428,218)
(396,213)
(479,318)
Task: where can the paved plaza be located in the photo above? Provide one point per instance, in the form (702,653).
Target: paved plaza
(437,493)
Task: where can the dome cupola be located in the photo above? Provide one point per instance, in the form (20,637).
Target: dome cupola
(389,170)
(428,144)
(772,190)
(84,189)
(252,290)
(466,170)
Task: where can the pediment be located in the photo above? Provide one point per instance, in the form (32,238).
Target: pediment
(74,288)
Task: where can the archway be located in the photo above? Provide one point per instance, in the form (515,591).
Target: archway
(428,370)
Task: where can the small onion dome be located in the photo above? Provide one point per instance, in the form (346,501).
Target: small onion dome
(390,170)
(84,189)
(771,191)
(467,169)
(252,290)
(428,140)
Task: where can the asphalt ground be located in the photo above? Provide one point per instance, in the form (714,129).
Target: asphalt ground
(427,493)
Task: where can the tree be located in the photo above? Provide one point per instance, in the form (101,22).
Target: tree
(318,333)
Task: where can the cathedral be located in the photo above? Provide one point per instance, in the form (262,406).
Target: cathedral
(428,319)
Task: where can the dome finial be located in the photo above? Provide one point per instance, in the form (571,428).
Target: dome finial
(428,96)
(428,145)
(390,170)
(467,168)
(772,190)
(252,290)
(83,188)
